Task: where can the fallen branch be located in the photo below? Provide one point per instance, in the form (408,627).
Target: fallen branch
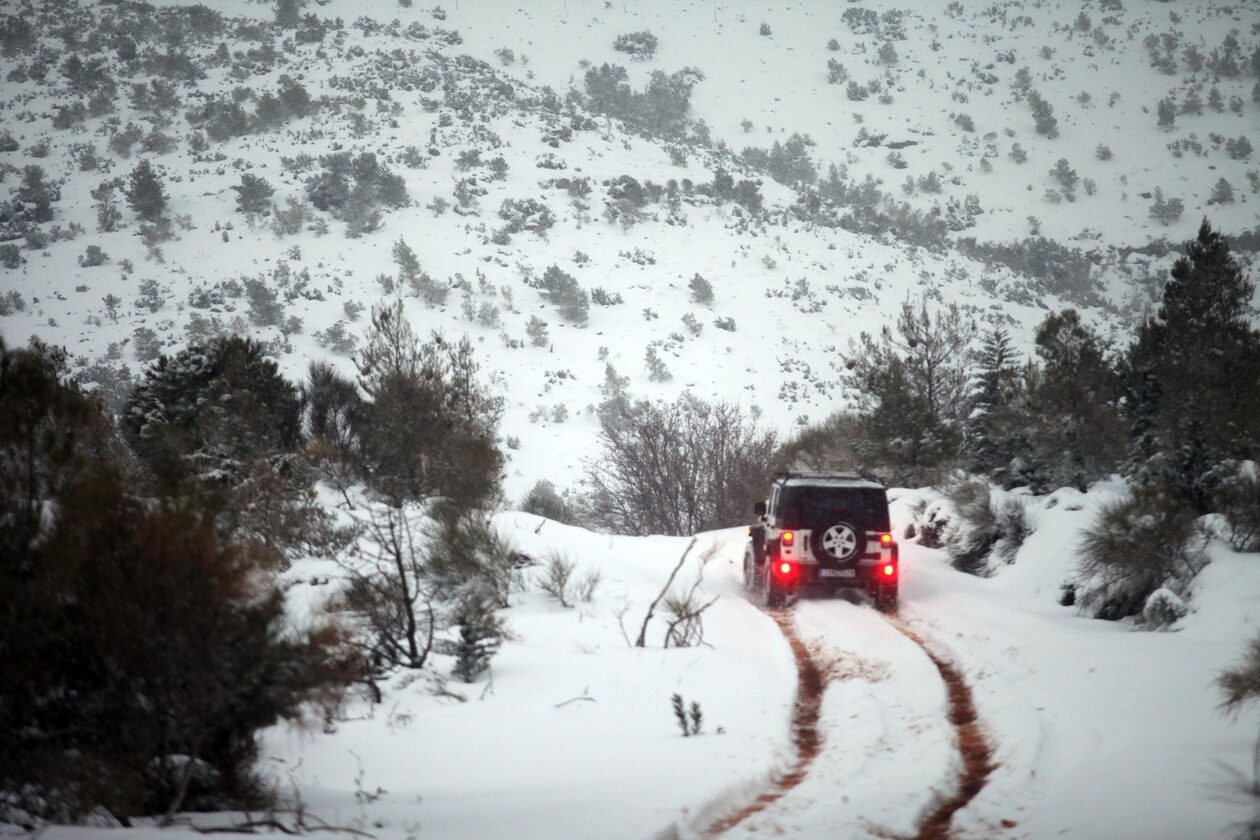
(575,699)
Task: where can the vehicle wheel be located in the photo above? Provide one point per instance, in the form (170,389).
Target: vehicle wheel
(775,595)
(886,599)
(750,573)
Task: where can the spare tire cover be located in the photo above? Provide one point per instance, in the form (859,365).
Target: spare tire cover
(839,541)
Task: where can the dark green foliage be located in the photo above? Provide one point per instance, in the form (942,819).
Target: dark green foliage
(660,110)
(1241,684)
(1061,270)
(543,500)
(988,441)
(331,403)
(1078,436)
(1238,499)
(680,713)
(132,633)
(35,195)
(209,411)
(974,530)
(480,634)
(1192,376)
(911,387)
(640,45)
(786,162)
(1043,115)
(428,427)
(411,275)
(701,290)
(253,194)
(563,291)
(1134,547)
(145,193)
(354,189)
(526,214)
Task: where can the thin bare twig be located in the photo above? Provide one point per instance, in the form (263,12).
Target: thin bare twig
(642,640)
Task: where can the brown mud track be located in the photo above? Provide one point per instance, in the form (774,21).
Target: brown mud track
(811,682)
(976,751)
(974,747)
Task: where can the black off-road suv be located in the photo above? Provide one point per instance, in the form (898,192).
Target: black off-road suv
(822,531)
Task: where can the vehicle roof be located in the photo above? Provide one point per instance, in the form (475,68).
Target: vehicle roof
(834,479)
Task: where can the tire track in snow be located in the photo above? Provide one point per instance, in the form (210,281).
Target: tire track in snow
(811,682)
(973,746)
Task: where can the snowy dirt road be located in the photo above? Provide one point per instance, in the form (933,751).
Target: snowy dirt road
(888,741)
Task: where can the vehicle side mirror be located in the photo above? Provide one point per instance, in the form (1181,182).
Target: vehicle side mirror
(759,509)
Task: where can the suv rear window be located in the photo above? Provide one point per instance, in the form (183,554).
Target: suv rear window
(805,506)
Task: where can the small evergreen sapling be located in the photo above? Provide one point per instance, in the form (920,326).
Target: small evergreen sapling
(480,635)
(690,719)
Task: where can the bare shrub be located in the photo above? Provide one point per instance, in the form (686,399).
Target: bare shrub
(389,589)
(677,468)
(585,588)
(556,577)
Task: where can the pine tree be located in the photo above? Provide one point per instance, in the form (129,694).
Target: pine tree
(988,436)
(480,635)
(701,290)
(1043,115)
(145,192)
(1167,113)
(253,194)
(563,291)
(1192,376)
(1076,436)
(209,411)
(428,427)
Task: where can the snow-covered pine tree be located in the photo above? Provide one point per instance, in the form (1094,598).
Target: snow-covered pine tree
(991,439)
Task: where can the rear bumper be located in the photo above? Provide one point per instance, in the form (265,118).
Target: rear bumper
(864,574)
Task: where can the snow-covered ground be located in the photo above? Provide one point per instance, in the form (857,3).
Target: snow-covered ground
(1098,730)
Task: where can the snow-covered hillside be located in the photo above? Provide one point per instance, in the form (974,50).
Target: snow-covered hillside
(505,176)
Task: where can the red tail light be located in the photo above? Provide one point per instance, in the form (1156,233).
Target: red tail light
(783,570)
(885,540)
(788,538)
(889,570)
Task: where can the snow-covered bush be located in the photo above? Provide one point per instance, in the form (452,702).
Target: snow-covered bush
(526,214)
(640,45)
(1013,527)
(1163,608)
(1238,499)
(973,530)
(1135,546)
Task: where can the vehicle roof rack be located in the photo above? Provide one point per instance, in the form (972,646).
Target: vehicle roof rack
(849,475)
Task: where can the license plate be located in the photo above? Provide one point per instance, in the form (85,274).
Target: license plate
(841,573)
